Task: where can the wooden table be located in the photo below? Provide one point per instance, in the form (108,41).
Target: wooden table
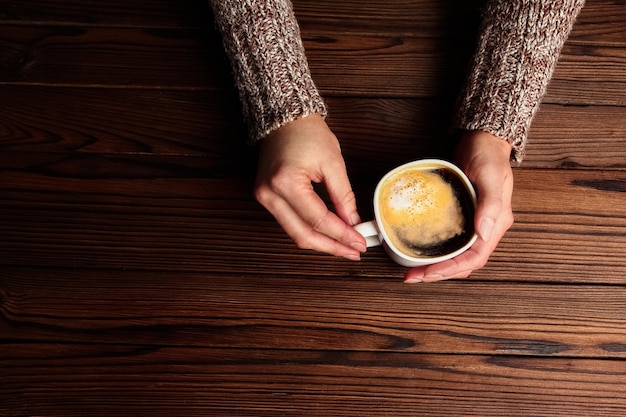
(138,276)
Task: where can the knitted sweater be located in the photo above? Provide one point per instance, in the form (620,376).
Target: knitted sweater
(518,46)
(262,40)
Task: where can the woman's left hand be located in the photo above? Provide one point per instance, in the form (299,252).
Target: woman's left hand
(485,160)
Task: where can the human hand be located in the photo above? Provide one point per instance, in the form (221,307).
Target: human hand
(290,159)
(485,160)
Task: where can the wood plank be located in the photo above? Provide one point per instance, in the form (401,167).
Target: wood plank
(588,74)
(197,123)
(375,132)
(570,227)
(154,58)
(382,133)
(567,225)
(144,13)
(267,310)
(421,67)
(123,380)
(409,66)
(121,121)
(577,137)
(382,65)
(600,21)
(592,60)
(342,64)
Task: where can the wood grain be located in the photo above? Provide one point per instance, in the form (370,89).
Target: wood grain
(376,133)
(567,221)
(122,57)
(139,277)
(353,313)
(407,65)
(600,20)
(143,13)
(232,382)
(64,120)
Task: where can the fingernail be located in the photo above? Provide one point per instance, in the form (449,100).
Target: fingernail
(359,246)
(352,257)
(412,281)
(486,228)
(355,219)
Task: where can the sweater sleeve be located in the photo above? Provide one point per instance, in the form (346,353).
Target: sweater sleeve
(518,47)
(262,41)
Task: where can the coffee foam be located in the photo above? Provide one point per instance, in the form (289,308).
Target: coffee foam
(419,209)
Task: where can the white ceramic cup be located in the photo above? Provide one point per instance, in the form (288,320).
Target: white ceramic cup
(376,235)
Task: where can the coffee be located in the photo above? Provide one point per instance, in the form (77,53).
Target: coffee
(426,211)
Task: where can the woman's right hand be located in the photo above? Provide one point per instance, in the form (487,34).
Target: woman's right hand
(291,158)
(485,159)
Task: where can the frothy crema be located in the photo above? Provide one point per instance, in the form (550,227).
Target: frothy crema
(422,211)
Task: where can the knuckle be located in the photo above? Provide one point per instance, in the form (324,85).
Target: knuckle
(282,181)
(279,183)
(481,263)
(346,234)
(262,194)
(318,223)
(302,242)
(478,262)
(349,198)
(335,248)
(510,219)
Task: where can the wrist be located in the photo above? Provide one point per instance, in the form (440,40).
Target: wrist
(484,140)
(310,121)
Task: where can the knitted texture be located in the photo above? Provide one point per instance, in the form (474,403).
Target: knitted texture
(262,40)
(518,47)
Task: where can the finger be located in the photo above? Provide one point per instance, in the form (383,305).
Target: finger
(313,211)
(458,267)
(342,196)
(488,208)
(436,278)
(461,266)
(304,236)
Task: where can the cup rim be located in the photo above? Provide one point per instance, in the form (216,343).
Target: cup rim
(426,163)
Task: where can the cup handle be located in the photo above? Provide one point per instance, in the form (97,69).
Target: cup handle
(370,232)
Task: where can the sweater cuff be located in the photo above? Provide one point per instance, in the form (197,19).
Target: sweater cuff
(518,47)
(263,43)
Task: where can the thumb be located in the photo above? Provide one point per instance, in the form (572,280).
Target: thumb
(490,204)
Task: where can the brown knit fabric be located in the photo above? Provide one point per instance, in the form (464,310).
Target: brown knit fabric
(262,40)
(518,47)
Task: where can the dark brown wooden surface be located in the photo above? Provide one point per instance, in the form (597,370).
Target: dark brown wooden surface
(138,276)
